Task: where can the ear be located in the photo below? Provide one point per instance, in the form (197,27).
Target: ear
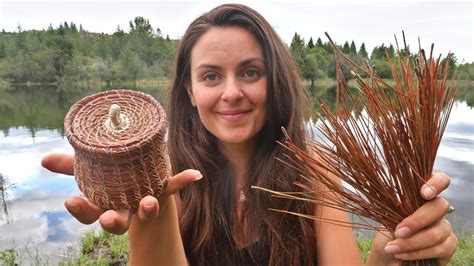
(189,90)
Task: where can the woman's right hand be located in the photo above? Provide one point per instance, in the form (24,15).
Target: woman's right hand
(115,222)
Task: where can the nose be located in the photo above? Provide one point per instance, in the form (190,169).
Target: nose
(232,90)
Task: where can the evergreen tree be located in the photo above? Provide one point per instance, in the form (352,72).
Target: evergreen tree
(141,26)
(2,48)
(21,40)
(353,49)
(73,27)
(297,48)
(346,48)
(119,32)
(378,52)
(363,51)
(319,43)
(328,47)
(310,43)
(391,50)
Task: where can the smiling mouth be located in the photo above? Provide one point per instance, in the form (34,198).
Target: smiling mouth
(233,115)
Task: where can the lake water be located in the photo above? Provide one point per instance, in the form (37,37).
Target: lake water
(32,214)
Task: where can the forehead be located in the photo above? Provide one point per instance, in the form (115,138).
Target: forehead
(225,43)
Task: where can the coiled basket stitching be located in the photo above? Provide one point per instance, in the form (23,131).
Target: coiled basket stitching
(115,167)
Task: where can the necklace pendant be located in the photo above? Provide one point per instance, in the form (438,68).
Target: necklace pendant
(242,196)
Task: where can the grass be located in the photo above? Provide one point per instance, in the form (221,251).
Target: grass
(364,246)
(19,256)
(102,248)
(9,256)
(465,253)
(95,248)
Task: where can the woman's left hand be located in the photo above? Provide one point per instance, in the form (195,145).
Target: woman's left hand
(423,235)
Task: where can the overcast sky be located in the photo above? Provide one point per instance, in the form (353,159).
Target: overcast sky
(447,24)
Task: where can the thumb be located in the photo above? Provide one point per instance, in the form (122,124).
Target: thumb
(59,162)
(177,182)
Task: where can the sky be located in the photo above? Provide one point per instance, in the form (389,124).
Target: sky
(447,24)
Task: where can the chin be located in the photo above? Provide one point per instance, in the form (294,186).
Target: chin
(236,139)
(236,135)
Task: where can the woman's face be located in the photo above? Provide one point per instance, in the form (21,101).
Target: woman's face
(229,84)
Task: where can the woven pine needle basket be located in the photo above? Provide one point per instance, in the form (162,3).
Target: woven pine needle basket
(120,151)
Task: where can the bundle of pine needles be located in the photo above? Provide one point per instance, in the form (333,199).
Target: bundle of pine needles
(381,140)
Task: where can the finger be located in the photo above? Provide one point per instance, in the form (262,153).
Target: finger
(431,236)
(115,222)
(178,181)
(148,209)
(84,211)
(444,251)
(59,162)
(435,185)
(426,215)
(453,245)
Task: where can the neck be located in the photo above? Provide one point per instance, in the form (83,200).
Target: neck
(239,156)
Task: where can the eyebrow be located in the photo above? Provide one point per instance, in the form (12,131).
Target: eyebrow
(241,64)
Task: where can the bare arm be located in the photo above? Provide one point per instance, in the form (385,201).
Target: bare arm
(158,240)
(336,244)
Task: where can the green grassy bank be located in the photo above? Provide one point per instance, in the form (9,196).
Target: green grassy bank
(101,248)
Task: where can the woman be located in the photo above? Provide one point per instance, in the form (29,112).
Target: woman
(235,84)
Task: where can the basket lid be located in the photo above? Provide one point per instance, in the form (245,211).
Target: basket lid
(115,121)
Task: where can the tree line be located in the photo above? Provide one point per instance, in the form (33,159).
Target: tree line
(316,59)
(68,54)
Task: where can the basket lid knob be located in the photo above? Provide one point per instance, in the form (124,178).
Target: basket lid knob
(116,120)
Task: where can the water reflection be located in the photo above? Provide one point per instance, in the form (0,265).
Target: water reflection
(31,124)
(37,214)
(456,158)
(32,212)
(4,188)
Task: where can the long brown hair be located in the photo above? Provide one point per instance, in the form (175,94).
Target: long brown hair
(207,216)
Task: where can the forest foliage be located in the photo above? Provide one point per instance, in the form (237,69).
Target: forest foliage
(67,54)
